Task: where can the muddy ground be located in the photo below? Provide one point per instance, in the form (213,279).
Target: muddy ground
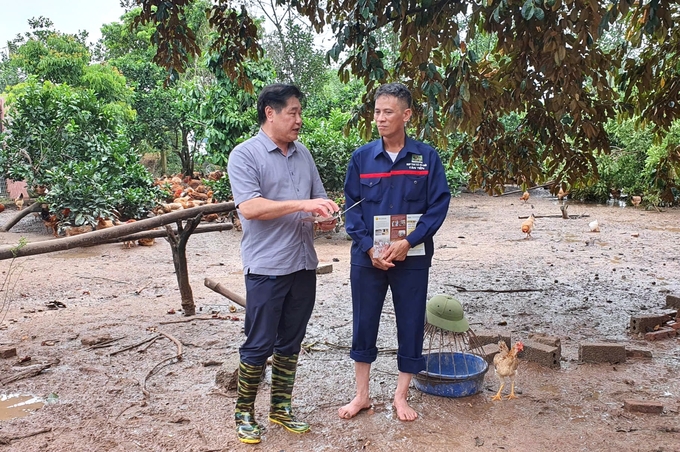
(589,286)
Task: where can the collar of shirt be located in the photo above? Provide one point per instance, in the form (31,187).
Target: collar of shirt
(409,146)
(271,146)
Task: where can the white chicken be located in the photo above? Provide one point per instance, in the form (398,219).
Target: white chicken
(594,226)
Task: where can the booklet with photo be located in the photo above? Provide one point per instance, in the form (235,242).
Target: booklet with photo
(390,228)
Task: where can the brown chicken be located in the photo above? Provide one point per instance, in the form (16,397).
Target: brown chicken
(19,202)
(636,200)
(528,225)
(562,194)
(524,197)
(506,363)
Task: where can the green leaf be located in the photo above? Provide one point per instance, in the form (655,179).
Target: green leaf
(528,9)
(539,14)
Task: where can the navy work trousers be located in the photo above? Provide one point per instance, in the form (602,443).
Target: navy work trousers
(409,294)
(278,309)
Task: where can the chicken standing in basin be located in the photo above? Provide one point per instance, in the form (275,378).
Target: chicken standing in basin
(506,363)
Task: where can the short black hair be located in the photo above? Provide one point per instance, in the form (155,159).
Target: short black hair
(398,90)
(275,96)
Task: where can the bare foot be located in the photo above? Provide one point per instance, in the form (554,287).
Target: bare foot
(404,411)
(352,408)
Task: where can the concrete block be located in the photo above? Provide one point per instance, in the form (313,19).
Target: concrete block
(672,301)
(491,337)
(643,406)
(552,341)
(8,352)
(542,354)
(660,334)
(632,352)
(647,323)
(490,351)
(322,269)
(601,352)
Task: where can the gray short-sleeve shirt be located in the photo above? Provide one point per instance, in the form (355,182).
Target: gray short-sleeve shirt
(257,168)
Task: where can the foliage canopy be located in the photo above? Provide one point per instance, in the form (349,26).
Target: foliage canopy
(546,60)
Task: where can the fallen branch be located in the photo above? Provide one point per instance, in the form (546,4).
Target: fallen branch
(191,319)
(130,347)
(8,439)
(571,217)
(347,347)
(105,279)
(29,372)
(107,343)
(463,289)
(163,363)
(149,344)
(222,290)
(546,185)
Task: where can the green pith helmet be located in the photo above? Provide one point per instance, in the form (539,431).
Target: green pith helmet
(445,312)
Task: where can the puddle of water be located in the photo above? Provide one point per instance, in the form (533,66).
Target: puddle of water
(13,406)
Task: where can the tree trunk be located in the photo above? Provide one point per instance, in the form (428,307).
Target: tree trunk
(186,157)
(164,162)
(179,258)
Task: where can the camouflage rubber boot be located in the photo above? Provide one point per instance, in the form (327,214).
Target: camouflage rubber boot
(247,430)
(283,378)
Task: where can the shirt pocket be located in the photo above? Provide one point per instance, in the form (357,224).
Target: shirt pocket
(415,188)
(372,189)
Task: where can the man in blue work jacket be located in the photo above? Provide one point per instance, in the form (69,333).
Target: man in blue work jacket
(401,184)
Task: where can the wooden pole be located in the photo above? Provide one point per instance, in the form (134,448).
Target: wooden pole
(222,290)
(178,244)
(104,235)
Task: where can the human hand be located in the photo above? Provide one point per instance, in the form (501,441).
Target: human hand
(326,226)
(397,251)
(379,262)
(322,207)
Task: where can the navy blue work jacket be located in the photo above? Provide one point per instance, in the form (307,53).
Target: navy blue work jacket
(414,183)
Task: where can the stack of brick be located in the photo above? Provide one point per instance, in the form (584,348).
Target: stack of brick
(656,327)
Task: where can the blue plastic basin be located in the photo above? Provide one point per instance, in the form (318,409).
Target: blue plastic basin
(452,374)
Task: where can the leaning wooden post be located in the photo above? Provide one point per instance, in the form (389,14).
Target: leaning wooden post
(178,245)
(35,207)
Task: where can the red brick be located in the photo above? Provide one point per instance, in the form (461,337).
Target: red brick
(8,352)
(661,334)
(643,406)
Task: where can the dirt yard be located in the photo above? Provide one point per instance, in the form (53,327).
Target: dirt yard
(587,287)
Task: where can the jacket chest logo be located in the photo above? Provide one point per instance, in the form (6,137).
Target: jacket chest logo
(416,163)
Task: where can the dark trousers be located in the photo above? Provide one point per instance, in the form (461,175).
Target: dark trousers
(409,294)
(277,311)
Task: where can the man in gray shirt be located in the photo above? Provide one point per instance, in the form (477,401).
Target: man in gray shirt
(276,187)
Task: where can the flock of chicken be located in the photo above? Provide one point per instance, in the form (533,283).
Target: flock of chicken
(528,224)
